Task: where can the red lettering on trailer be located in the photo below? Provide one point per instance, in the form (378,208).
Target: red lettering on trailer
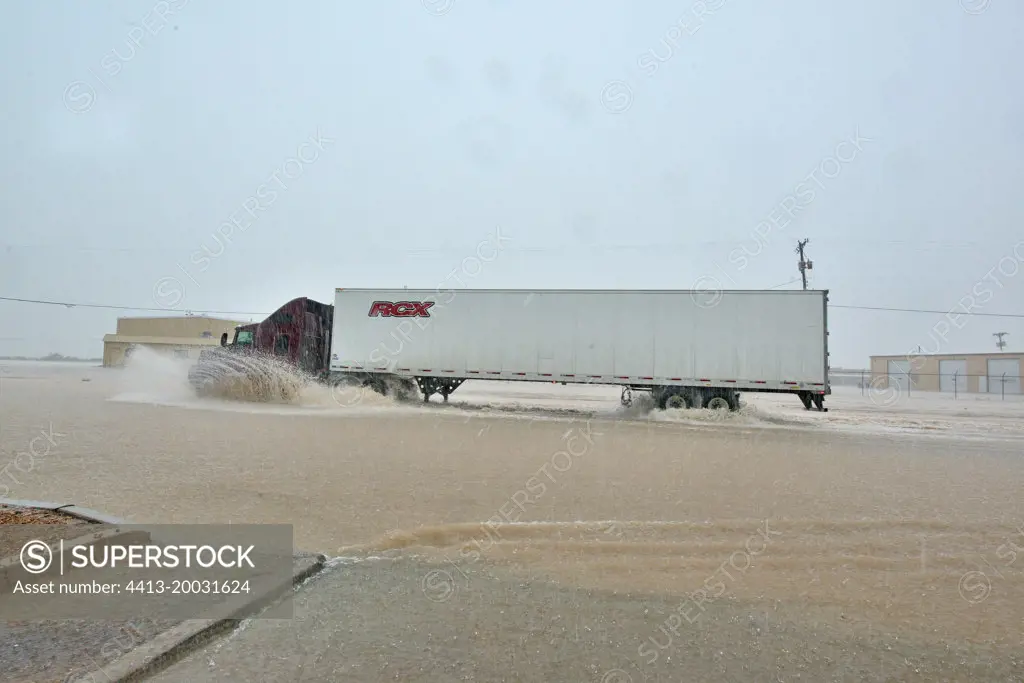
(400,309)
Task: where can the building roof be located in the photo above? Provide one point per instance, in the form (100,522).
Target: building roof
(177,341)
(976,354)
(181,317)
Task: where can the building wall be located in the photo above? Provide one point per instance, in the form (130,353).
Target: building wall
(924,370)
(187,326)
(114,352)
(182,337)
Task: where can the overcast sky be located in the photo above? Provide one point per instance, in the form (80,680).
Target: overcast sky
(616,145)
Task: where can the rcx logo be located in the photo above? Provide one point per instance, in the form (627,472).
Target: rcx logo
(400,309)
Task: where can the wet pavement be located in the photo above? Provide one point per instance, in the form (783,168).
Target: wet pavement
(404,620)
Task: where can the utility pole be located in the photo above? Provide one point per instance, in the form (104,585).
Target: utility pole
(804,264)
(999,335)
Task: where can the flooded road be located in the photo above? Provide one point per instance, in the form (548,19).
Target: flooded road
(782,541)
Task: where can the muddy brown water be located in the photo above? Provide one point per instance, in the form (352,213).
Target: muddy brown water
(843,540)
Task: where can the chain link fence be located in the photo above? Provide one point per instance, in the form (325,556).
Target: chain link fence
(954,384)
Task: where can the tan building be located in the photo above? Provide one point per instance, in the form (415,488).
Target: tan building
(971,373)
(184,337)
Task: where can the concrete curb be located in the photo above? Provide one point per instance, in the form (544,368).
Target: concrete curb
(90,515)
(37,504)
(172,645)
(71,509)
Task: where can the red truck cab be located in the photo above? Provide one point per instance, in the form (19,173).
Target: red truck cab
(299,333)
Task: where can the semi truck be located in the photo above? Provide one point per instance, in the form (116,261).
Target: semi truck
(688,349)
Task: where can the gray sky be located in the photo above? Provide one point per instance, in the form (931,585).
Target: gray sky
(635,145)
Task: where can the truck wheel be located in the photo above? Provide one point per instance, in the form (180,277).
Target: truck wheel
(676,402)
(672,399)
(721,402)
(376,385)
(407,390)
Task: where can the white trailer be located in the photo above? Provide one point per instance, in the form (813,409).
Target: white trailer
(689,348)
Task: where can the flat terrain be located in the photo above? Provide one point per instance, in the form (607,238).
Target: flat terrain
(872,542)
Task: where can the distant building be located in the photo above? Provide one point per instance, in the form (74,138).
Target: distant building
(183,337)
(971,373)
(848,377)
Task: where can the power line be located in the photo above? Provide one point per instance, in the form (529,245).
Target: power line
(659,246)
(69,304)
(925,310)
(796,279)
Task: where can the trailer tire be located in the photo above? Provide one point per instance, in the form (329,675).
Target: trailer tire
(405,390)
(715,401)
(374,384)
(676,402)
(674,399)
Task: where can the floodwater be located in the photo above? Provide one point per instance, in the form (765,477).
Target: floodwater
(876,542)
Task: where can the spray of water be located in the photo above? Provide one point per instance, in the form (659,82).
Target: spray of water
(643,407)
(152,377)
(255,378)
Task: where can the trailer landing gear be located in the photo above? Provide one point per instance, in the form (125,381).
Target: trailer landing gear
(809,399)
(438,385)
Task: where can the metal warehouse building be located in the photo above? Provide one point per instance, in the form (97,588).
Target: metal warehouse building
(973,373)
(184,337)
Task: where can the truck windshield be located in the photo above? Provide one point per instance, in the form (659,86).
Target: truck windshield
(244,337)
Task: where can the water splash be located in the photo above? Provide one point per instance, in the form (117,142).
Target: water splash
(227,379)
(254,378)
(149,376)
